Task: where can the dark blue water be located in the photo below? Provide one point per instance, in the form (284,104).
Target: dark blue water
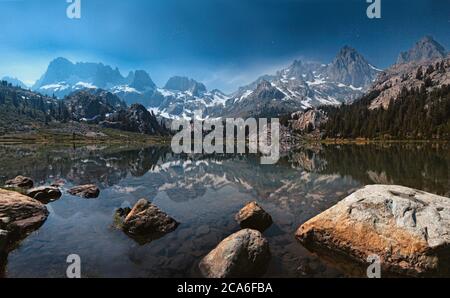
(203,193)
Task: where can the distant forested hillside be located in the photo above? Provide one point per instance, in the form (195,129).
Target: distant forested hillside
(23,110)
(20,108)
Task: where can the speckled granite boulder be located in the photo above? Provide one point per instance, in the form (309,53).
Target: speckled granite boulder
(407,228)
(244,254)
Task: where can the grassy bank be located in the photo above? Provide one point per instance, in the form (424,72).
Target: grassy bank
(376,141)
(91,135)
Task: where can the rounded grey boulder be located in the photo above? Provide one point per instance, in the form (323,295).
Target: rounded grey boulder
(245,254)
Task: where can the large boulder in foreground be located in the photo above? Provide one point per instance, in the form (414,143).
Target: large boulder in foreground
(19,214)
(20,182)
(245,254)
(146,222)
(252,216)
(89,191)
(408,229)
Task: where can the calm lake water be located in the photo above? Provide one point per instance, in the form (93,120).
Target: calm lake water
(203,193)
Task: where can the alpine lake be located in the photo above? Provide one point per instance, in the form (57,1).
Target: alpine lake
(203,193)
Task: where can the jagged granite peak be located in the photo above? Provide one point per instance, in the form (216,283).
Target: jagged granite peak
(142,81)
(179,83)
(58,70)
(300,70)
(63,77)
(350,68)
(425,49)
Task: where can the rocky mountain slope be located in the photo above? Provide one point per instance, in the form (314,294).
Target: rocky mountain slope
(93,105)
(25,111)
(408,100)
(301,86)
(20,108)
(431,74)
(426,63)
(180,96)
(135,119)
(415,106)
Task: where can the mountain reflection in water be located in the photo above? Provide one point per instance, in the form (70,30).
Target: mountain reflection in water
(203,193)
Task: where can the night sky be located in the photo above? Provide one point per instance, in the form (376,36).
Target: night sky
(224,43)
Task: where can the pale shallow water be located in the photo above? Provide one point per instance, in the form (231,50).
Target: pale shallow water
(203,193)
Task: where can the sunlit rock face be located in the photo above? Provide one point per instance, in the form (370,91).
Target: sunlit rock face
(406,228)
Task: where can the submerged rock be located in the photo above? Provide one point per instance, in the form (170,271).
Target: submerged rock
(44,194)
(89,191)
(245,254)
(20,182)
(145,222)
(408,229)
(252,216)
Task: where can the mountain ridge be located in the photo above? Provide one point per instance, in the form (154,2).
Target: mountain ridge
(347,77)
(309,84)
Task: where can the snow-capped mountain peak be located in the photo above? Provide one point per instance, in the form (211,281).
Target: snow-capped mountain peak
(299,86)
(303,85)
(185,84)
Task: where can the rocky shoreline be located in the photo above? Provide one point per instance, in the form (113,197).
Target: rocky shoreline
(407,229)
(23,210)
